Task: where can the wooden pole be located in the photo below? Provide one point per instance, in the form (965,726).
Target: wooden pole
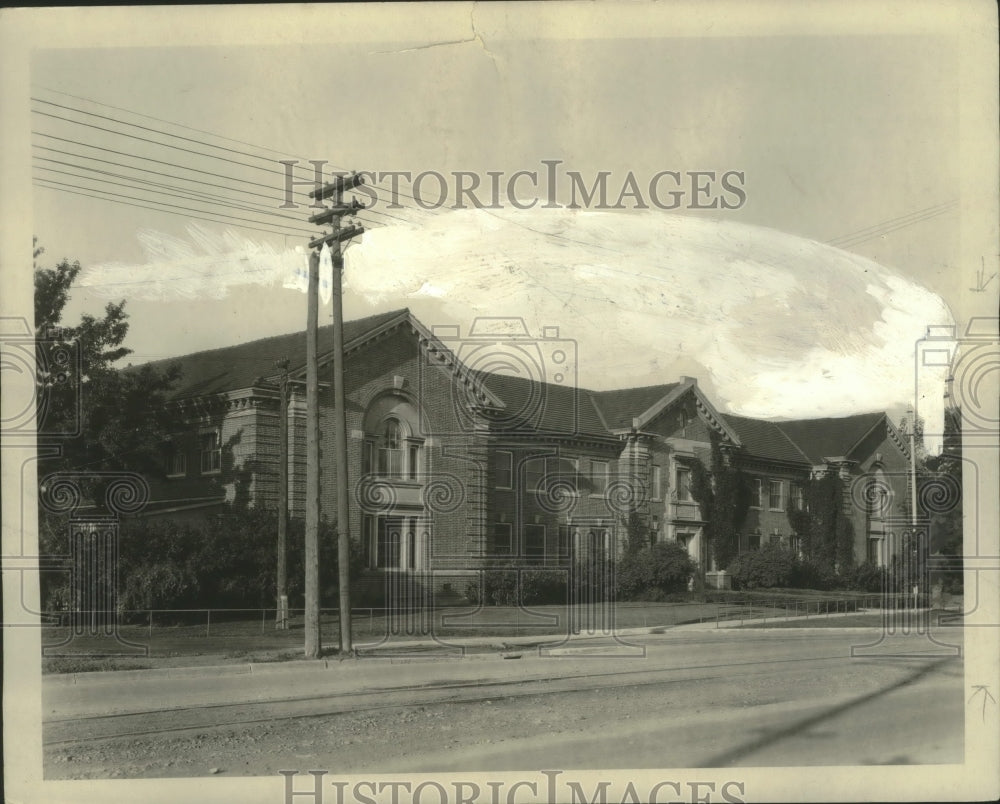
(340,445)
(281,613)
(313,646)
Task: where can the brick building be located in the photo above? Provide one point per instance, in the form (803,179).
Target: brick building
(454,467)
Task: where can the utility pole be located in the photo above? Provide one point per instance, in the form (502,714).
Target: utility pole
(915,541)
(335,191)
(281,613)
(313,646)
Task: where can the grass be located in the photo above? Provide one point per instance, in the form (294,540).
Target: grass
(243,640)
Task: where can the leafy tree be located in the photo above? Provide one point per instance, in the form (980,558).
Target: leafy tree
(120,416)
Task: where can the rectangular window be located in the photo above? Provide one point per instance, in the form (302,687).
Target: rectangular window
(563,471)
(368,540)
(211,452)
(775,495)
(753,540)
(503,463)
(390,462)
(413,464)
(501,541)
(758,493)
(796,496)
(562,544)
(534,474)
(534,544)
(176,461)
(656,481)
(598,477)
(368,457)
(683,483)
(795,544)
(389,542)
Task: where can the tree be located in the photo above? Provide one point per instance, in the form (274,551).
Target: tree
(723,494)
(118,417)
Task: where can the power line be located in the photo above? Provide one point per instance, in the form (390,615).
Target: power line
(164,203)
(38,183)
(150,159)
(188,195)
(188,139)
(161,144)
(142,170)
(891,225)
(168,175)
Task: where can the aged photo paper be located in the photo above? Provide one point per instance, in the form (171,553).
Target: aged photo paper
(508,402)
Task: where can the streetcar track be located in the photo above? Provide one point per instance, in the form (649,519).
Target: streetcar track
(483,692)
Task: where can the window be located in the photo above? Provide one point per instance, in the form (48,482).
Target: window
(368,541)
(654,529)
(656,481)
(775,538)
(390,453)
(798,503)
(683,484)
(562,541)
(211,452)
(389,543)
(413,464)
(562,470)
(795,544)
(874,552)
(753,540)
(598,477)
(534,473)
(758,493)
(534,543)
(503,463)
(176,460)
(776,499)
(501,541)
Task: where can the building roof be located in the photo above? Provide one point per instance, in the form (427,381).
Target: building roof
(621,406)
(831,437)
(544,407)
(765,439)
(232,367)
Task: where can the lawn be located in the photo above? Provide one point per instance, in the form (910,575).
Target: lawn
(220,637)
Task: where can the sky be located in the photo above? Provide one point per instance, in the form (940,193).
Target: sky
(852,145)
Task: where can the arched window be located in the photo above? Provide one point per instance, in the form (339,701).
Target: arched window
(393,442)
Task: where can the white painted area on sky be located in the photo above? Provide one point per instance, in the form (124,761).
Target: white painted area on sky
(780,326)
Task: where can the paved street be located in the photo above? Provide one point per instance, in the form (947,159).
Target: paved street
(679,699)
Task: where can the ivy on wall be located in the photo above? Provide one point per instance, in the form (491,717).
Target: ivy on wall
(723,492)
(824,528)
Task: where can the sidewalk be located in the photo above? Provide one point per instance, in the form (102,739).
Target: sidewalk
(483,648)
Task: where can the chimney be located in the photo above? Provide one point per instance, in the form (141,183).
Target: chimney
(692,380)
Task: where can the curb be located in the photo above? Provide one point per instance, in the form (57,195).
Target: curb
(511,648)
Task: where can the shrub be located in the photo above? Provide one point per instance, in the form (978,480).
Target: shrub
(654,572)
(867,577)
(770,567)
(506,586)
